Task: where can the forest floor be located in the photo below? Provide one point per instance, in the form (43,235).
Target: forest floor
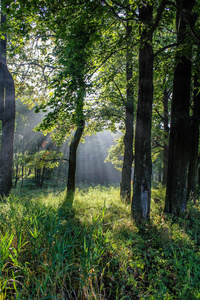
(94,250)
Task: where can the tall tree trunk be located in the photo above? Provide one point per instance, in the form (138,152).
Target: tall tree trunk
(166,131)
(22,182)
(179,143)
(7,116)
(7,113)
(143,164)
(193,162)
(74,146)
(125,186)
(42,177)
(72,160)
(16,172)
(3,42)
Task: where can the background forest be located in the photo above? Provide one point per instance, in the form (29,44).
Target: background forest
(99,161)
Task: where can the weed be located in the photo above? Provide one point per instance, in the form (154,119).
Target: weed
(93,250)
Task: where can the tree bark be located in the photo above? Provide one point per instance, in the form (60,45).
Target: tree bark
(3,42)
(166,131)
(74,146)
(72,160)
(193,162)
(179,143)
(42,177)
(7,114)
(22,182)
(143,164)
(125,186)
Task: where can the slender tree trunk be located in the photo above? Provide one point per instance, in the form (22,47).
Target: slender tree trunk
(125,186)
(35,174)
(22,182)
(143,164)
(74,146)
(179,143)
(42,177)
(166,130)
(193,162)
(3,42)
(198,174)
(16,172)
(72,160)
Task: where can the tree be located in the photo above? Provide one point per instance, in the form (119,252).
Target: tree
(143,165)
(117,89)
(179,143)
(74,51)
(163,79)
(125,186)
(194,160)
(7,117)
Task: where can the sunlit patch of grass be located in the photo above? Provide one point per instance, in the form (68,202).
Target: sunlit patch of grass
(94,250)
(93,201)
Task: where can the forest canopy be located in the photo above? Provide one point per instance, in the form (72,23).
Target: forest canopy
(123,66)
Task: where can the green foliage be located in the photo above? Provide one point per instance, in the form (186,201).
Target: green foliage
(95,251)
(115,153)
(45,158)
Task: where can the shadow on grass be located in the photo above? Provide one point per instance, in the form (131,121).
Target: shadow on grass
(164,259)
(56,254)
(51,254)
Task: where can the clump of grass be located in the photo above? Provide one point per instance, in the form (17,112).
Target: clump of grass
(94,250)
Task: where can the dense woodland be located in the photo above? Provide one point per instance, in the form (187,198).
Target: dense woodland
(100,93)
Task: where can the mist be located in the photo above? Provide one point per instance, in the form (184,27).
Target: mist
(92,152)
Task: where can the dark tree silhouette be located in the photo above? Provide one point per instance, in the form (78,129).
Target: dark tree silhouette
(125,186)
(7,117)
(143,165)
(180,131)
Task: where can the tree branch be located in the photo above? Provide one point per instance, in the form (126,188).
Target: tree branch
(119,91)
(164,48)
(36,64)
(126,8)
(197,37)
(162,118)
(158,16)
(54,159)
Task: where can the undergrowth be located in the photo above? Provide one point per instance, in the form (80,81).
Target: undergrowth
(94,251)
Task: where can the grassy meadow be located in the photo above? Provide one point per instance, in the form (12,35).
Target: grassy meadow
(94,251)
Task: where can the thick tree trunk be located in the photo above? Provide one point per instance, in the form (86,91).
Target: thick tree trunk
(179,143)
(125,186)
(193,162)
(7,114)
(143,164)
(166,130)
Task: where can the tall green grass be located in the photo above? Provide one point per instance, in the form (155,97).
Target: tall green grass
(94,251)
